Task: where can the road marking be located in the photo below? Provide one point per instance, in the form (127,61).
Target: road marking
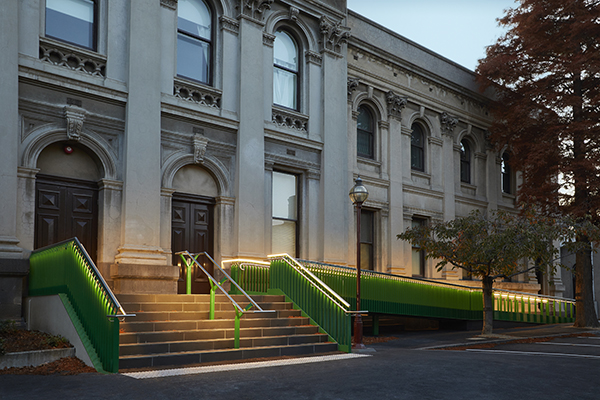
(533,353)
(241,366)
(571,344)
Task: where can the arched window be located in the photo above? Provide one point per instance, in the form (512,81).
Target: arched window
(417,148)
(365,133)
(72,21)
(285,71)
(465,162)
(194,40)
(506,174)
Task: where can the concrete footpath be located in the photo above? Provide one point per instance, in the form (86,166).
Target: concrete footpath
(409,367)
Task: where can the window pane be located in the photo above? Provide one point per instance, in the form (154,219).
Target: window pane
(417,136)
(193,58)
(465,162)
(366,256)
(285,52)
(194,18)
(284,196)
(416,158)
(366,227)
(284,88)
(284,237)
(365,144)
(365,120)
(71,21)
(417,262)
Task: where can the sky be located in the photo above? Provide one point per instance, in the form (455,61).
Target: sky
(459,30)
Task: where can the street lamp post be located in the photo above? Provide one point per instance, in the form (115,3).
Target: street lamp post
(358,195)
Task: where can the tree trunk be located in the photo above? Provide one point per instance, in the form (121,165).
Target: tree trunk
(488,305)
(585,312)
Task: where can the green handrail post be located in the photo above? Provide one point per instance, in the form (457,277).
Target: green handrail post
(236,340)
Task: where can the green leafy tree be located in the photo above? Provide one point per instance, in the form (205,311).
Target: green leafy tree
(491,247)
(546,70)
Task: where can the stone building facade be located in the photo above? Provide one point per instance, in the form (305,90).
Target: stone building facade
(235,127)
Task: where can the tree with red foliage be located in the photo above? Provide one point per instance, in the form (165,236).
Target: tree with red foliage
(546,70)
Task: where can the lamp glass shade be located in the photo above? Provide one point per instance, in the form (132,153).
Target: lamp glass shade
(359,193)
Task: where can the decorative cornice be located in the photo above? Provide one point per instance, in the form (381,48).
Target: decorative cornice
(448,124)
(172,4)
(200,142)
(110,184)
(384,125)
(75,117)
(272,159)
(395,104)
(197,94)
(229,24)
(313,58)
(268,39)
(334,35)
(63,55)
(255,9)
(435,140)
(290,119)
(313,174)
(352,85)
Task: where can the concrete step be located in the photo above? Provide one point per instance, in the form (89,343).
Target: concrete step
(136,307)
(197,357)
(217,344)
(191,298)
(217,333)
(196,315)
(156,326)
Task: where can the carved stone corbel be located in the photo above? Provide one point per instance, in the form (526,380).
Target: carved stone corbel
(75,117)
(294,12)
(334,35)
(200,143)
(352,85)
(255,9)
(395,104)
(448,124)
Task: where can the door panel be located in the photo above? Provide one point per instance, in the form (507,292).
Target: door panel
(192,230)
(66,209)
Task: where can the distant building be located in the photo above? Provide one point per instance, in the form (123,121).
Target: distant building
(235,127)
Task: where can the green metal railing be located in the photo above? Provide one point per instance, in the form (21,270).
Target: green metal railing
(65,269)
(250,275)
(523,307)
(314,297)
(191,260)
(383,293)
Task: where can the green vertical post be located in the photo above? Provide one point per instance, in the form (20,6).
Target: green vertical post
(188,280)
(213,289)
(236,343)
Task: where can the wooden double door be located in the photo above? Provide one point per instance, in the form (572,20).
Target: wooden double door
(66,208)
(192,227)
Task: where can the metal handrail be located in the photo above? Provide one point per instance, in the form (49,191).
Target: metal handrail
(322,287)
(536,296)
(213,280)
(97,274)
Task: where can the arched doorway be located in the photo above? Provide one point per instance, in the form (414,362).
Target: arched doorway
(66,196)
(192,223)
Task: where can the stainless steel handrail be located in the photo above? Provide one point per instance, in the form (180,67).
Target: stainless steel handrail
(321,286)
(213,280)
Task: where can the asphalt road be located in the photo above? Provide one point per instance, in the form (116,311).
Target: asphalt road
(565,368)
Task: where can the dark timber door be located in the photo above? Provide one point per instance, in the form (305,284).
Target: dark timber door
(66,208)
(192,230)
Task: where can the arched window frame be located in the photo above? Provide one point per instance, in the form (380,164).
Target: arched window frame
(67,27)
(195,40)
(506,174)
(365,135)
(279,68)
(417,147)
(466,154)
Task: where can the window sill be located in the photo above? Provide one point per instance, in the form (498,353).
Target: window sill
(368,161)
(72,57)
(467,188)
(196,92)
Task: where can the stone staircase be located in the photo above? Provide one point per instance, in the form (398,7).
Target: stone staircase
(174,330)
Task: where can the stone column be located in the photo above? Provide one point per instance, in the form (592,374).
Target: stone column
(231,66)
(12,265)
(110,198)
(249,214)
(336,180)
(141,264)
(493,189)
(398,142)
